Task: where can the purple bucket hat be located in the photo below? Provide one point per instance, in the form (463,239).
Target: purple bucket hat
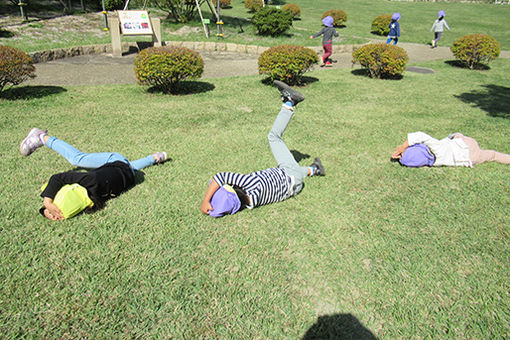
(417,155)
(396,16)
(441,13)
(224,202)
(328,21)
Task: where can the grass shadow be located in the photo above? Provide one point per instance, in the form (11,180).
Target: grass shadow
(30,92)
(298,156)
(186,87)
(234,21)
(460,64)
(6,34)
(364,73)
(338,326)
(305,80)
(493,99)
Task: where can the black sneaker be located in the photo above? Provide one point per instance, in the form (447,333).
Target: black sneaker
(288,93)
(318,167)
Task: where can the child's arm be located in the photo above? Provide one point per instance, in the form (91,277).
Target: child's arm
(206,203)
(399,150)
(317,34)
(446,24)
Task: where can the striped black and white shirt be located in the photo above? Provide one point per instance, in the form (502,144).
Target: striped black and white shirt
(263,187)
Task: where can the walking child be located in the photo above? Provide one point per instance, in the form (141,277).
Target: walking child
(327,33)
(394,26)
(438,27)
(231,192)
(68,193)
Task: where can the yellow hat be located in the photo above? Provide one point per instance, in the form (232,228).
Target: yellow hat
(72,199)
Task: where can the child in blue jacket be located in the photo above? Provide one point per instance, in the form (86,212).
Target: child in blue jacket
(394,29)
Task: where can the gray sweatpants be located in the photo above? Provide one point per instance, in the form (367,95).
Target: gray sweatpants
(281,153)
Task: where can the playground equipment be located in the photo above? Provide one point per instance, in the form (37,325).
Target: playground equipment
(216,12)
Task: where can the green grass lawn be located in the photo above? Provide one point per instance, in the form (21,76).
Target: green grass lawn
(406,253)
(417,18)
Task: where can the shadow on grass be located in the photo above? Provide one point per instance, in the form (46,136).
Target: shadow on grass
(364,72)
(186,87)
(338,326)
(30,92)
(6,34)
(459,64)
(493,99)
(305,80)
(298,156)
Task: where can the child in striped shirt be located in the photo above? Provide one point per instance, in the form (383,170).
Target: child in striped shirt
(230,192)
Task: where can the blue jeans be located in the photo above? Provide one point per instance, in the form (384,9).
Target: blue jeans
(281,153)
(94,160)
(395,40)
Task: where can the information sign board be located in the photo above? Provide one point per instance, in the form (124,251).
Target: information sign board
(135,22)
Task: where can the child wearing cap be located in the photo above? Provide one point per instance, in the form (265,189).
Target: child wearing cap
(394,26)
(438,27)
(421,149)
(231,192)
(327,32)
(68,193)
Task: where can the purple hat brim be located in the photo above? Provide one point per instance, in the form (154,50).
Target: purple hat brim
(224,202)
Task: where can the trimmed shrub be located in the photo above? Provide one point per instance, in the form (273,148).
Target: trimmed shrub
(293,9)
(380,25)
(337,14)
(15,66)
(272,21)
(381,60)
(287,62)
(474,50)
(223,3)
(163,67)
(253,5)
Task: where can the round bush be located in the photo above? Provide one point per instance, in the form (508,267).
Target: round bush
(380,25)
(287,62)
(294,10)
(163,67)
(475,49)
(381,60)
(15,66)
(253,5)
(338,15)
(223,3)
(272,21)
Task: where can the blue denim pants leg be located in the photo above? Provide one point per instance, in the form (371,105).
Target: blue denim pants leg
(93,160)
(281,153)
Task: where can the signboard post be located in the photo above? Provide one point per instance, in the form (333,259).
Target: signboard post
(132,23)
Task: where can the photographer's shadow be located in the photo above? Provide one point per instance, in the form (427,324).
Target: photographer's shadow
(338,326)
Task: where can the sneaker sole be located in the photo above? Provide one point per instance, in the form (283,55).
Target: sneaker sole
(23,142)
(298,97)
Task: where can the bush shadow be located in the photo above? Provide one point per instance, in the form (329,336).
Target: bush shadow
(185,88)
(364,73)
(6,34)
(493,99)
(460,64)
(298,156)
(30,92)
(234,21)
(338,326)
(305,80)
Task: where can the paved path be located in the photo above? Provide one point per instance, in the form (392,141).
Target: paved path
(104,69)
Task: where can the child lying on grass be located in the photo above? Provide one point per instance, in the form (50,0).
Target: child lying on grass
(421,149)
(68,193)
(231,192)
